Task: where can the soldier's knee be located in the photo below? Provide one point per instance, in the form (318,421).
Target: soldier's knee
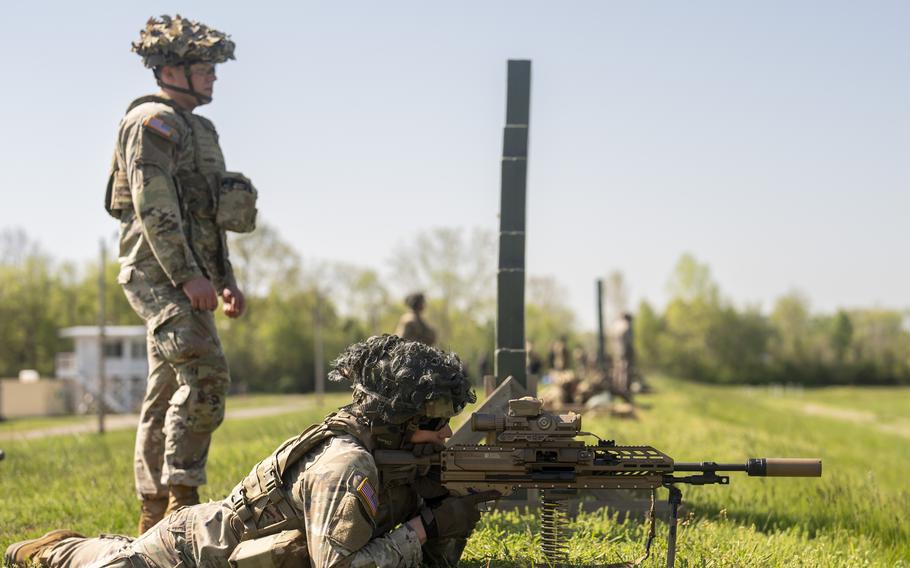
(202,404)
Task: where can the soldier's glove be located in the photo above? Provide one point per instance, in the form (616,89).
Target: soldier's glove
(430,488)
(455,516)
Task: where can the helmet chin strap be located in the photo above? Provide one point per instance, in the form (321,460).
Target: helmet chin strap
(200,98)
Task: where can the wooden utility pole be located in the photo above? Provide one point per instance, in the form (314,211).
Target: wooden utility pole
(510,279)
(601,336)
(102,317)
(318,357)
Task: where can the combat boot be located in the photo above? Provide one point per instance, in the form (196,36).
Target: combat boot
(151,512)
(27,552)
(181,496)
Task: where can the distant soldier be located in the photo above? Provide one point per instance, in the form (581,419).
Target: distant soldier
(320,499)
(559,354)
(580,361)
(412,326)
(624,355)
(174,199)
(533,362)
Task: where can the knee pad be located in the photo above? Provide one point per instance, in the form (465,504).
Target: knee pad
(202,407)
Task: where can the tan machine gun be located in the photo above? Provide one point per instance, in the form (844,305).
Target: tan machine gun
(528,448)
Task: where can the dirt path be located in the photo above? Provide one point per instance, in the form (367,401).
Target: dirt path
(857,417)
(129,422)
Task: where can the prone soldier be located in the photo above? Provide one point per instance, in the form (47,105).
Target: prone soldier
(170,190)
(319,499)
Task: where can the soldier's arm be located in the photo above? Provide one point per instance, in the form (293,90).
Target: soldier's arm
(340,503)
(227,279)
(150,142)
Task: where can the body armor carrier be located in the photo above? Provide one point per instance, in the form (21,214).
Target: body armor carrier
(261,502)
(203,186)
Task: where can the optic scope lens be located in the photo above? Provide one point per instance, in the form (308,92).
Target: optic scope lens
(481,422)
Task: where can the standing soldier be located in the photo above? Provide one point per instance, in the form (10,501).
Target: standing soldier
(559,354)
(624,355)
(320,499)
(412,326)
(169,189)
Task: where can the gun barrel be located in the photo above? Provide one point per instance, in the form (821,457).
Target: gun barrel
(761,467)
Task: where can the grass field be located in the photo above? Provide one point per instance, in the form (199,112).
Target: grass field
(856,515)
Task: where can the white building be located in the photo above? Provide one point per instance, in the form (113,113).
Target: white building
(125,364)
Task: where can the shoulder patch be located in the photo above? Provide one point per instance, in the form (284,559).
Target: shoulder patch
(366,493)
(161,128)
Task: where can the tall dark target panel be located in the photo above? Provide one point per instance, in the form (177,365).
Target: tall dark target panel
(510,280)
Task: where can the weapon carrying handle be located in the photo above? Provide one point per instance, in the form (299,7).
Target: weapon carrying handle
(784,467)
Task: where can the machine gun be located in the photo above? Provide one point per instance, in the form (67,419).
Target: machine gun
(529,448)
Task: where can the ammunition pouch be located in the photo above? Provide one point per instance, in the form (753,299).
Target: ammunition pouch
(284,549)
(117,197)
(236,203)
(260,501)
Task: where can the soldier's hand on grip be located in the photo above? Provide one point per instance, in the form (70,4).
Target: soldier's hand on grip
(430,488)
(201,293)
(455,516)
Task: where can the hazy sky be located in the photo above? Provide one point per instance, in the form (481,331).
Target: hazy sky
(770,139)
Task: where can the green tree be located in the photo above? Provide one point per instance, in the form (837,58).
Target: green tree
(648,329)
(691,281)
(841,336)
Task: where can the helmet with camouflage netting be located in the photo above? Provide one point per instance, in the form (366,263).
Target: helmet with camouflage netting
(398,383)
(180,41)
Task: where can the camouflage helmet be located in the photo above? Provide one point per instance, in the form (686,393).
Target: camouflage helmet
(179,41)
(397,382)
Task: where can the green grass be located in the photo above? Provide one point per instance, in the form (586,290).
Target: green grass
(856,515)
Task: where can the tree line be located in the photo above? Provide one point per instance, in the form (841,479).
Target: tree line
(699,334)
(702,336)
(273,346)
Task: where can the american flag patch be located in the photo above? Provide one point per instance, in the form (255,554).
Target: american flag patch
(160,127)
(368,496)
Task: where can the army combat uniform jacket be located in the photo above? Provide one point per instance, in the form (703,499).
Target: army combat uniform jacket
(413,328)
(164,188)
(346,511)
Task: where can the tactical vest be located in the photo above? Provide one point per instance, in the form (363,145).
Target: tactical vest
(261,499)
(203,186)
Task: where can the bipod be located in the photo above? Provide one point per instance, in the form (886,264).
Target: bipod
(675,499)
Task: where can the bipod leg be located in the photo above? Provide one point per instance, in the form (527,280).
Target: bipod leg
(675,499)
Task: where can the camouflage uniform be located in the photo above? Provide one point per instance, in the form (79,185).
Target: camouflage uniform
(319,499)
(342,525)
(412,327)
(166,239)
(624,352)
(166,189)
